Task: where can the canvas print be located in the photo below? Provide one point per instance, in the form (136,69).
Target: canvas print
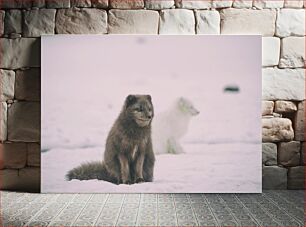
(151,114)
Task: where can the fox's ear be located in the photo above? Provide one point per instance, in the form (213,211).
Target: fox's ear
(149,97)
(130,99)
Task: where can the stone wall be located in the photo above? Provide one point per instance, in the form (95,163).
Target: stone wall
(281,22)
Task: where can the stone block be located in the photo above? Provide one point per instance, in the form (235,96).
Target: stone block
(39,22)
(277,129)
(133,22)
(289,153)
(126,4)
(283,84)
(269,154)
(274,177)
(26,179)
(38,3)
(242,4)
(9,179)
(24,122)
(13,155)
(13,22)
(293,52)
(290,22)
(303,160)
(177,21)
(248,21)
(262,4)
(159,4)
(191,4)
(33,154)
(20,53)
(296,178)
(80,3)
(293,4)
(207,22)
(81,21)
(7,81)
(99,3)
(15,4)
(56,4)
(27,85)
(3,121)
(299,122)
(267,108)
(285,106)
(2,15)
(221,3)
(270,51)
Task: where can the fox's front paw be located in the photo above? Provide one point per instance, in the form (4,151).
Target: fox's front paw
(128,181)
(139,180)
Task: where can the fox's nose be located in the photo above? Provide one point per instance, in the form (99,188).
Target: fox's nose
(150,116)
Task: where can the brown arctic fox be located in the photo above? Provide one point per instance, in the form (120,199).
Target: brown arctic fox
(128,156)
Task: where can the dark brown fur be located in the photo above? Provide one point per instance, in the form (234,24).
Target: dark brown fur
(128,156)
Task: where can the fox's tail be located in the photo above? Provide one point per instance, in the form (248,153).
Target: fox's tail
(90,170)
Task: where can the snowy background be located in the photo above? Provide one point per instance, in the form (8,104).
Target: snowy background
(85,80)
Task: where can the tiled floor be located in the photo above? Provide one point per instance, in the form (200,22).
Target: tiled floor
(271,208)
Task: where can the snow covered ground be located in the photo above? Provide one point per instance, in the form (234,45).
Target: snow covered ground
(85,80)
(206,168)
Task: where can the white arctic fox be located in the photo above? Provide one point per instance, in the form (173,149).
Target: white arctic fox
(168,127)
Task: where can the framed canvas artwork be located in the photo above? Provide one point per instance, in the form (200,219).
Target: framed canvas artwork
(151,114)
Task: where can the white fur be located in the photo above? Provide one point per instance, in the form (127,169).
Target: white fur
(170,126)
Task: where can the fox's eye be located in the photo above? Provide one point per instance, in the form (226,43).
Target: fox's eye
(139,109)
